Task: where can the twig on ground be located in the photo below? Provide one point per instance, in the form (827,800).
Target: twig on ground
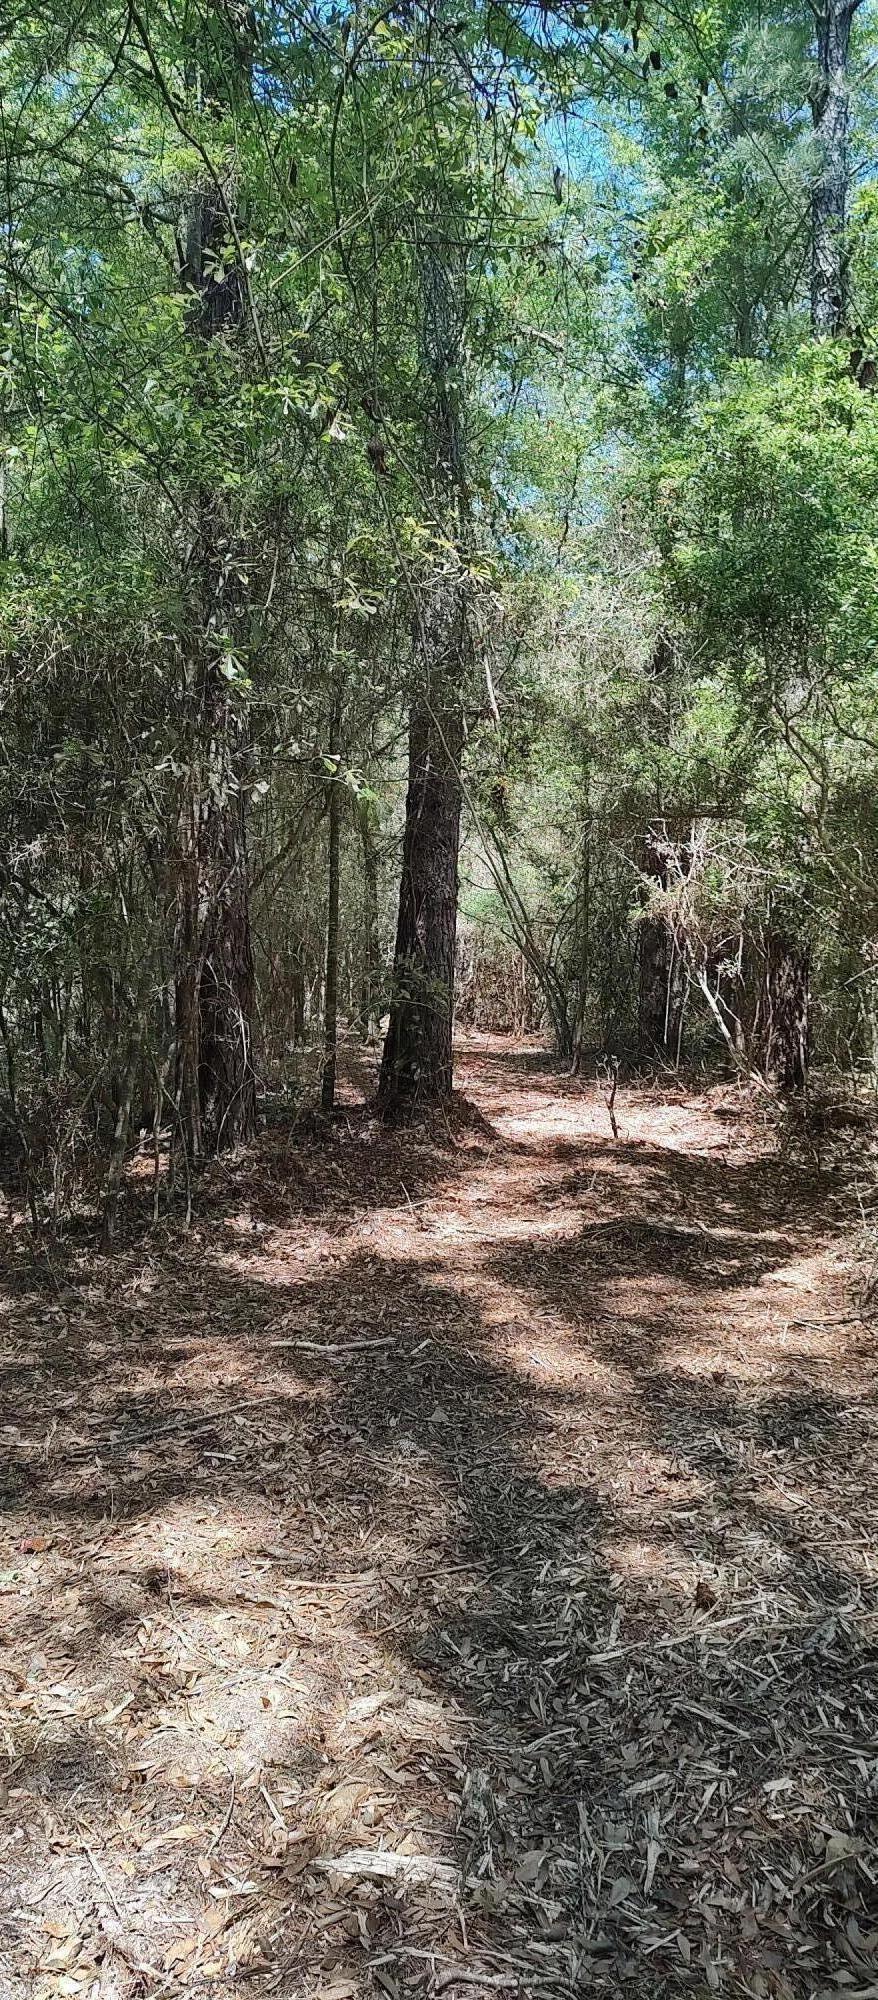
(460,1975)
(333,1346)
(105,1885)
(226,1820)
(191,1424)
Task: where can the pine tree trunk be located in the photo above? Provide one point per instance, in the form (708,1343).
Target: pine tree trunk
(786,1012)
(330,985)
(829,105)
(216,1085)
(417,1061)
(784,1027)
(416,1064)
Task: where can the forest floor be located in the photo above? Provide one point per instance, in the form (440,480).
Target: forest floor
(449,1568)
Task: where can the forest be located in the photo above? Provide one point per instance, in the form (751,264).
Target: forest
(438,998)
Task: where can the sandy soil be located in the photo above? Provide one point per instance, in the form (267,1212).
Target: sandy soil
(449,1568)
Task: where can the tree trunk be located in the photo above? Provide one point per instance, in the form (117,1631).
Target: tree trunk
(297,982)
(662,972)
(371,962)
(226,1078)
(583,953)
(662,989)
(829,107)
(120,1143)
(786,1012)
(416,1065)
(216,1085)
(784,1028)
(330,985)
(662,982)
(417,1060)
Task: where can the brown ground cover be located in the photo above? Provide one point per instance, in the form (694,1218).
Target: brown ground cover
(450,1568)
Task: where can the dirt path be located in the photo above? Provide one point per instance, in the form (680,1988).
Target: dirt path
(504,1506)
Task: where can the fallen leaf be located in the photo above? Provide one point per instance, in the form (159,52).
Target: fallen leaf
(619,1889)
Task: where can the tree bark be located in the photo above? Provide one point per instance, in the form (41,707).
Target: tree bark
(786,1012)
(830,110)
(662,990)
(784,1025)
(297,982)
(216,1084)
(330,983)
(417,1063)
(662,981)
(583,941)
(370,984)
(226,1077)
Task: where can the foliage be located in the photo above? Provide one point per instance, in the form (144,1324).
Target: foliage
(219,530)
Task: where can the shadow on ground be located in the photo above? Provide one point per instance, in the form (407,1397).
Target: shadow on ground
(327,1538)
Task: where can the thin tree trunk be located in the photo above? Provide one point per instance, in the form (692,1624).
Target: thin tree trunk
(122,1129)
(583,943)
(371,965)
(330,984)
(226,1077)
(662,980)
(187,971)
(297,982)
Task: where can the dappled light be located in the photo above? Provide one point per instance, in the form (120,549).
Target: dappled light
(438,1000)
(395,1588)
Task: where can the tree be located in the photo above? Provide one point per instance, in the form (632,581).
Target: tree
(416,1064)
(315,333)
(830,109)
(214,982)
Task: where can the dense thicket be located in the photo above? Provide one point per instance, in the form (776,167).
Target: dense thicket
(439,463)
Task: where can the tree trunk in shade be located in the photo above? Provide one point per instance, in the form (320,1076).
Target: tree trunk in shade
(226,1077)
(417,1060)
(330,980)
(370,987)
(216,1085)
(662,971)
(785,1028)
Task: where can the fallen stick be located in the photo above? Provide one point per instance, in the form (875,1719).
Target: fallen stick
(188,1423)
(105,1885)
(416,1871)
(333,1346)
(418,1220)
(458,1975)
(226,1820)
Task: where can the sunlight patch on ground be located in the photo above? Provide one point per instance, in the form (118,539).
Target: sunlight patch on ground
(538,1547)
